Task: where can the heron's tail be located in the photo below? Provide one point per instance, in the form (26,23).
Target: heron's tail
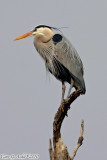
(82,86)
(79,83)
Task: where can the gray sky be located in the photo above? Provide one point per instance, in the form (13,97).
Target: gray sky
(29,100)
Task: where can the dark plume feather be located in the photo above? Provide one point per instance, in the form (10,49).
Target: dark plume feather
(40,26)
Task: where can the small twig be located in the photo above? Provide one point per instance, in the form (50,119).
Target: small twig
(80,140)
(50,149)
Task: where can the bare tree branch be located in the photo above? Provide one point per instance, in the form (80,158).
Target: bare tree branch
(80,140)
(60,150)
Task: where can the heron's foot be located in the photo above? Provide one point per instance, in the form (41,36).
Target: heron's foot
(61,106)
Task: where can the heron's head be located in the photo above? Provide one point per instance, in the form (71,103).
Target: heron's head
(41,29)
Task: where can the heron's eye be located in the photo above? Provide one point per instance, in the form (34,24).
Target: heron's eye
(35,29)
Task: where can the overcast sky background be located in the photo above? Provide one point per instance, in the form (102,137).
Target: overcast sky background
(29,99)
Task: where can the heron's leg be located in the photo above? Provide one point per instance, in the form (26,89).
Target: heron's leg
(71,86)
(63,91)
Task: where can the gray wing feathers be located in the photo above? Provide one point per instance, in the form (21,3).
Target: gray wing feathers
(66,54)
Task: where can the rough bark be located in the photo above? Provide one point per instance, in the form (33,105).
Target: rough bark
(59,151)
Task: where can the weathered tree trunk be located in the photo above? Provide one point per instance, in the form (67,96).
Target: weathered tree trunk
(59,150)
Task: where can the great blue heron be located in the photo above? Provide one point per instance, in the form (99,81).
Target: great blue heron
(61,58)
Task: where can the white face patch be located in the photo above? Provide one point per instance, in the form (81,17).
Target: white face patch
(34,33)
(40,30)
(43,31)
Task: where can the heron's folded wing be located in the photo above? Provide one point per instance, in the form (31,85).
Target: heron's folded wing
(66,54)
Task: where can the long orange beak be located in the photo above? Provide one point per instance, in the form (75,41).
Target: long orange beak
(24,36)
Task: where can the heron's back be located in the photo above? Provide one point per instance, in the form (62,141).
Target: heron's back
(67,56)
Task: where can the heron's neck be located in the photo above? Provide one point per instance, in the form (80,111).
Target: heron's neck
(44,45)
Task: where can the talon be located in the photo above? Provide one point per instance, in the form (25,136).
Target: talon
(61,106)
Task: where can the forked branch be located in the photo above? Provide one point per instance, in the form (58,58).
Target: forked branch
(60,150)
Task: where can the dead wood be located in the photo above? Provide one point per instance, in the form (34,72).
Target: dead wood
(59,150)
